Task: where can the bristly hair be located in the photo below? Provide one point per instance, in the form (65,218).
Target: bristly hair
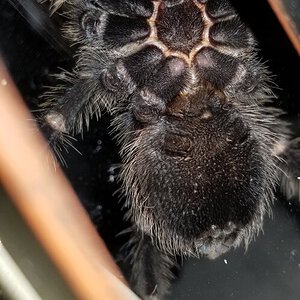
(290,175)
(150,269)
(54,4)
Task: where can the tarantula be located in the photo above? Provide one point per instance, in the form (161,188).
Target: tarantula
(202,149)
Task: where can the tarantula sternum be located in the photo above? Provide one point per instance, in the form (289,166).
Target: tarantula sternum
(201,152)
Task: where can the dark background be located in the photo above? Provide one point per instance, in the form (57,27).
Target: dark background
(270,269)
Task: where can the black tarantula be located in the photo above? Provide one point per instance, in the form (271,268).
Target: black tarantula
(202,149)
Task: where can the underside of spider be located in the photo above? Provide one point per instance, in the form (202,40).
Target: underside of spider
(201,151)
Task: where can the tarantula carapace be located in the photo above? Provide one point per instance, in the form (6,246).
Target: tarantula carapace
(202,149)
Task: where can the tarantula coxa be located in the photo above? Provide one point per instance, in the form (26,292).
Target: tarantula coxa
(202,150)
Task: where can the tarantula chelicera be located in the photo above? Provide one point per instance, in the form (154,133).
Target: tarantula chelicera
(202,150)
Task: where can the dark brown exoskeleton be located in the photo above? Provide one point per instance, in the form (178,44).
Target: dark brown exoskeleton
(202,152)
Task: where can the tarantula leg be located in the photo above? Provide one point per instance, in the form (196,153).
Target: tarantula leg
(240,37)
(115,31)
(128,8)
(150,102)
(72,105)
(65,111)
(116,23)
(219,8)
(290,174)
(151,269)
(143,64)
(91,23)
(209,59)
(121,31)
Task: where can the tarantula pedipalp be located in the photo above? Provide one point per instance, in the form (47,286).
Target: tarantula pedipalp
(201,150)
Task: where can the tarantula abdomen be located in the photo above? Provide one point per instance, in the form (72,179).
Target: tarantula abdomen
(198,177)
